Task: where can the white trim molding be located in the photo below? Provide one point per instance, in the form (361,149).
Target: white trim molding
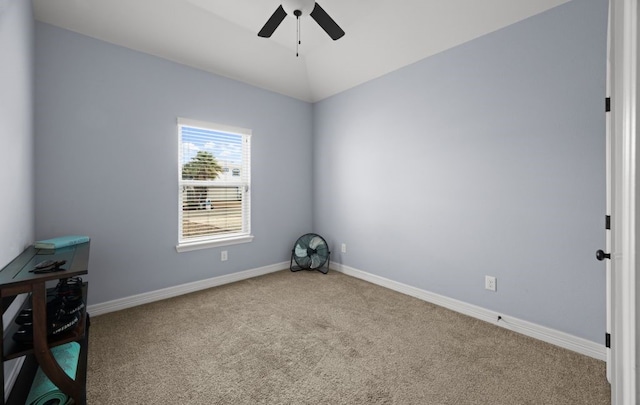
(12,367)
(555,337)
(170,292)
(624,90)
(206,244)
(535,331)
(11,371)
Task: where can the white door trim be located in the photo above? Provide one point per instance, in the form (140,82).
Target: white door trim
(623,95)
(609,159)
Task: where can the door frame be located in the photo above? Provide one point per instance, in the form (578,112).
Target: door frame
(624,90)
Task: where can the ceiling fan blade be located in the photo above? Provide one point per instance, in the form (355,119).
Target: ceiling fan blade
(326,22)
(273,22)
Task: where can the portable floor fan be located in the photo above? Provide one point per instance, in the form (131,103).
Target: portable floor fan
(310,252)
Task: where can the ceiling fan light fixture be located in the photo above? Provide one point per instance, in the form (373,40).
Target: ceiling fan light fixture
(304,6)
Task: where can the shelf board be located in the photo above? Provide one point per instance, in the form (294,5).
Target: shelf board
(16,277)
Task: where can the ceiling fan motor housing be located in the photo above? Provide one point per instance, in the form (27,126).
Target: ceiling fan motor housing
(304,6)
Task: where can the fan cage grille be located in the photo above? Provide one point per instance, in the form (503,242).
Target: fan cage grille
(310,252)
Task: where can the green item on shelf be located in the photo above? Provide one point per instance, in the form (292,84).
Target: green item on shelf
(42,389)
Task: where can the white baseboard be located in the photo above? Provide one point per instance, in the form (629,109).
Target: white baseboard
(555,337)
(145,298)
(12,367)
(11,370)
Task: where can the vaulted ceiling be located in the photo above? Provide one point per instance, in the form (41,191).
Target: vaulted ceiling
(220,36)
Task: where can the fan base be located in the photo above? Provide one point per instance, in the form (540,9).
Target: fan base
(323,270)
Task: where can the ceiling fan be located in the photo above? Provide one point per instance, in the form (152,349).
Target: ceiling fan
(300,8)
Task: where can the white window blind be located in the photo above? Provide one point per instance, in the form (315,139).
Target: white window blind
(214,184)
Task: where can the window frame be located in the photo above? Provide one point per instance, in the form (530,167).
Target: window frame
(244,181)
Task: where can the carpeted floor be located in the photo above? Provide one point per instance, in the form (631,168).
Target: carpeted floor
(307,338)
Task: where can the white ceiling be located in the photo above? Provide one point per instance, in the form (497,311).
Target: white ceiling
(220,36)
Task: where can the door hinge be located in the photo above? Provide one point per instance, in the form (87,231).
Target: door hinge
(607,222)
(607,340)
(607,104)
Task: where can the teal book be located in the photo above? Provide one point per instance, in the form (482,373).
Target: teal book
(61,241)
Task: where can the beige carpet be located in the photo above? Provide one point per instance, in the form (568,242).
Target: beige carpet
(307,338)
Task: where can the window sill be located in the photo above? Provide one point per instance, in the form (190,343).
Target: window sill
(189,246)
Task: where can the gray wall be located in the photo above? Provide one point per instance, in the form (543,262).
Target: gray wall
(16,128)
(486,159)
(106,162)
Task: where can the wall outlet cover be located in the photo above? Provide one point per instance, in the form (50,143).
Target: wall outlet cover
(490,283)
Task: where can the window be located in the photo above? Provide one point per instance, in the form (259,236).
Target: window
(214,185)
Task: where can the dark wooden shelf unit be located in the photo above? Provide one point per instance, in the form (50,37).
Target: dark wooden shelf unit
(15,278)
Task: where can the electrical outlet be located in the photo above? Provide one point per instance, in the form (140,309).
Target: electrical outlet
(344,248)
(490,283)
(223,256)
